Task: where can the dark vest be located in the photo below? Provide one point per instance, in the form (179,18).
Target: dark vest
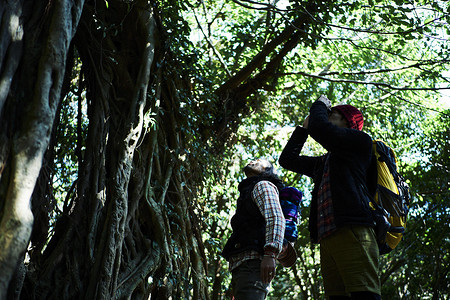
(248,223)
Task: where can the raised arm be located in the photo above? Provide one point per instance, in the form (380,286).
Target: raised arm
(290,158)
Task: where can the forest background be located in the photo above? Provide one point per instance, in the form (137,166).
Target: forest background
(124,126)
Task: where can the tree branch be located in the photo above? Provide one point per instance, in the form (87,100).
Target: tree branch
(210,44)
(387,70)
(381,84)
(373,31)
(392,269)
(264,6)
(259,59)
(413,103)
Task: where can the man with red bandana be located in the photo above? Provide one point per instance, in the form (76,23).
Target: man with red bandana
(340,217)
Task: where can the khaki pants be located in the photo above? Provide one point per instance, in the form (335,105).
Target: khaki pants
(349,261)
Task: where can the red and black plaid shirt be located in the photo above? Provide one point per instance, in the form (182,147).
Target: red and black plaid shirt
(325,215)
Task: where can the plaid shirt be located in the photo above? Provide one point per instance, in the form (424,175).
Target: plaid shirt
(325,215)
(265,194)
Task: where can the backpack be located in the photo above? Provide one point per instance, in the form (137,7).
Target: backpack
(290,199)
(390,203)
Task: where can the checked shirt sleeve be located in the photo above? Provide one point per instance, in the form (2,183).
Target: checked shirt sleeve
(265,194)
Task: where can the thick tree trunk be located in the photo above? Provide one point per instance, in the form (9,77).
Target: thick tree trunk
(28,105)
(128,227)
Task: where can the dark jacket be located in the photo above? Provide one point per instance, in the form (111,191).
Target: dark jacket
(248,224)
(350,153)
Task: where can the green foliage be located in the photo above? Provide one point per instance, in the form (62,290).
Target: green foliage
(69,147)
(385,57)
(424,250)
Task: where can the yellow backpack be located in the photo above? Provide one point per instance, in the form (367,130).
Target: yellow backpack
(391,201)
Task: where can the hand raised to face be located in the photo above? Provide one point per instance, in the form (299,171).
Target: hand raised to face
(325,100)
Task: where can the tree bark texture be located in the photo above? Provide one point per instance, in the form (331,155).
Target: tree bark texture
(127,229)
(33,59)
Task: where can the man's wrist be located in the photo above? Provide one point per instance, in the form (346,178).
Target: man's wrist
(272,255)
(270,252)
